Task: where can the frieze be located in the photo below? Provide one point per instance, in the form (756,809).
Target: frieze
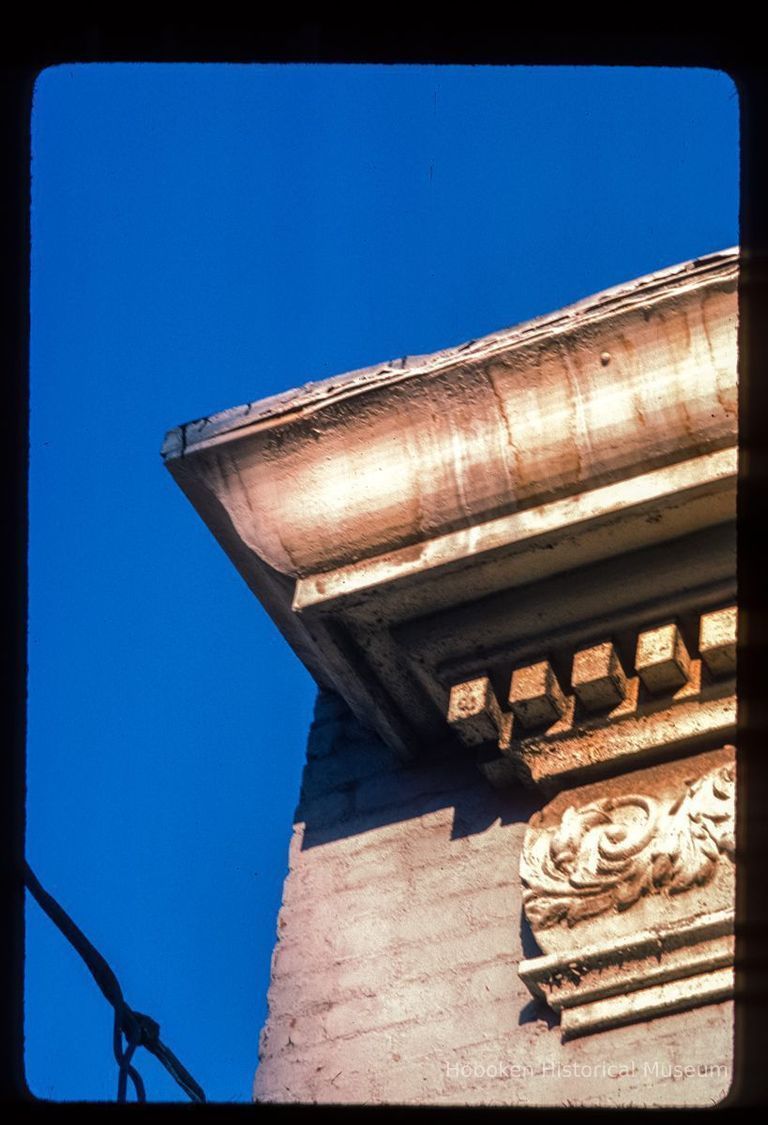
(604,855)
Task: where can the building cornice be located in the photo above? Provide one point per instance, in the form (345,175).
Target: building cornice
(381,516)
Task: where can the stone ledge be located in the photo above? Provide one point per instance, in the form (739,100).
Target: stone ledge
(575,757)
(652,972)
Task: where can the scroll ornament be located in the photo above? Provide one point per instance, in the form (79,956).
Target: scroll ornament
(605,855)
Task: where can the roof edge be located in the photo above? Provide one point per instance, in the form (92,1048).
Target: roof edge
(230,423)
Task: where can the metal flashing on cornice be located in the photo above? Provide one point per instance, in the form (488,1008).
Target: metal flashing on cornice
(227,424)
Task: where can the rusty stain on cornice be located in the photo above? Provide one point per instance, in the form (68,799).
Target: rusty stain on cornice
(639,376)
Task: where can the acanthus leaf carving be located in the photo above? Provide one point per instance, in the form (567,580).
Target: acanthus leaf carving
(607,854)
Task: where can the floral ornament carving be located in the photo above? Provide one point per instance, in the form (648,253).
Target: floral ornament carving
(605,855)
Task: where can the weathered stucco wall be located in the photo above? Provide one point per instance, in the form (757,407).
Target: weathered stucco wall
(395,974)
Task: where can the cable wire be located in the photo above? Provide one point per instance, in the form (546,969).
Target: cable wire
(137,1029)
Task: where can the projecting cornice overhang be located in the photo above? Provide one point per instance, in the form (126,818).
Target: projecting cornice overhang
(425,523)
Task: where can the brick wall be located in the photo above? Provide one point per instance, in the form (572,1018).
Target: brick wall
(394,976)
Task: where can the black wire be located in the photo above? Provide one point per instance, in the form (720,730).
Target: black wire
(123,1059)
(139,1030)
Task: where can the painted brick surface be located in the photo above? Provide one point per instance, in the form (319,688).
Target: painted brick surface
(394,976)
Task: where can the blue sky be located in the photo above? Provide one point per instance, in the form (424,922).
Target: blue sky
(203,236)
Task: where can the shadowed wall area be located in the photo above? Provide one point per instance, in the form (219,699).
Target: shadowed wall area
(395,973)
